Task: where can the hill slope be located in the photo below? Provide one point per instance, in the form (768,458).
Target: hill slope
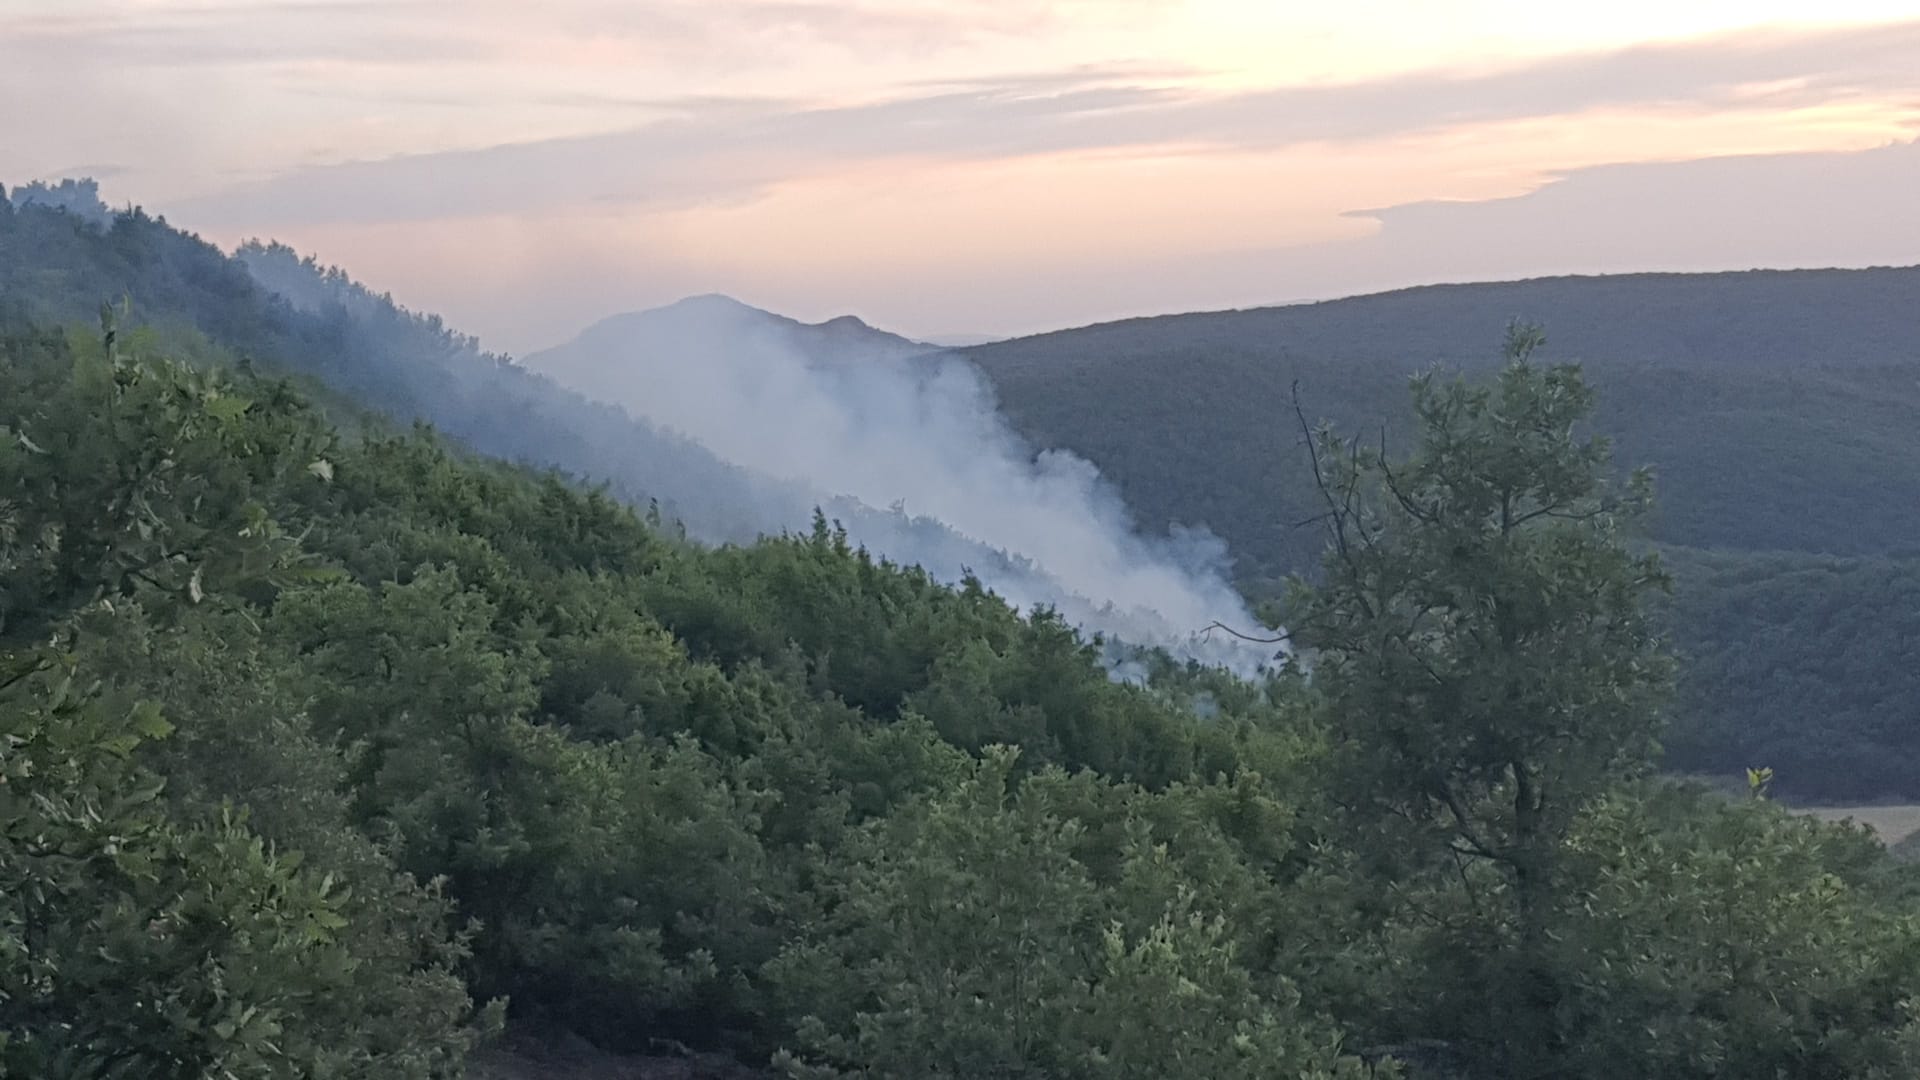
(370,354)
(1762,456)
(1777,406)
(314,743)
(1778,410)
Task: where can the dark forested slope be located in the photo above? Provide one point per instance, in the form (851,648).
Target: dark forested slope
(1807,663)
(1776,406)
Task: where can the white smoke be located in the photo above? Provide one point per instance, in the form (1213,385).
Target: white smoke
(879,422)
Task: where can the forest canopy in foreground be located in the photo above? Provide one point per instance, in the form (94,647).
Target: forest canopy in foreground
(327,754)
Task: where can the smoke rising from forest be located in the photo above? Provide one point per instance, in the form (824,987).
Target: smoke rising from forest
(859,420)
(738,424)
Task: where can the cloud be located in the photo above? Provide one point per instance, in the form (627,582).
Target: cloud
(734,149)
(393,32)
(730,33)
(99,170)
(1832,209)
(1844,209)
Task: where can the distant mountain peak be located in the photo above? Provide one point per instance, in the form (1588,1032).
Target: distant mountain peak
(709,302)
(708,324)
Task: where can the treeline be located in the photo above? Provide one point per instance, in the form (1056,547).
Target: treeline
(327,755)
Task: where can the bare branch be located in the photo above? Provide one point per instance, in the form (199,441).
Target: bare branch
(1557,511)
(1339,511)
(1217,625)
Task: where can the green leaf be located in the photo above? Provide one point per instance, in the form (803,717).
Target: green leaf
(227,409)
(148,722)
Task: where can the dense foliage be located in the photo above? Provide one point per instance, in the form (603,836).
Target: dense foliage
(325,751)
(1776,406)
(1807,663)
(328,750)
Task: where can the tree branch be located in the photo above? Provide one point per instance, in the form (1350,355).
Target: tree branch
(1218,625)
(1464,826)
(1339,512)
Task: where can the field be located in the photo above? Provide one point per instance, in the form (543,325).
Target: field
(1891,823)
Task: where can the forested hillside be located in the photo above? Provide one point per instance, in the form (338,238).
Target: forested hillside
(330,754)
(63,254)
(1776,406)
(1777,410)
(361,349)
(1810,662)
(363,352)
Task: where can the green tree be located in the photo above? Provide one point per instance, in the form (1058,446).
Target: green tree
(1706,937)
(131,945)
(1481,646)
(1042,929)
(125,473)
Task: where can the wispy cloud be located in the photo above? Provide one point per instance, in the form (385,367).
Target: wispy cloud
(935,160)
(727,149)
(263,32)
(1746,210)
(190,35)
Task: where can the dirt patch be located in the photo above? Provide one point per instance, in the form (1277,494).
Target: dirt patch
(1891,824)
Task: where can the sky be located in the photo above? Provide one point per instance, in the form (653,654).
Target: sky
(974,168)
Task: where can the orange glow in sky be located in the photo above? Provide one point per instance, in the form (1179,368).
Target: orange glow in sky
(977,166)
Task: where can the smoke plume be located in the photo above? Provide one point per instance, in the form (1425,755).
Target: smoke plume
(856,419)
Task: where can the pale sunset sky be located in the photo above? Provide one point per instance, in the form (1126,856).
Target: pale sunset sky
(978,167)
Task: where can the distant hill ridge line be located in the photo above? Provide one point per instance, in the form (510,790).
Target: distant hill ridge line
(724,301)
(1453,286)
(1461,321)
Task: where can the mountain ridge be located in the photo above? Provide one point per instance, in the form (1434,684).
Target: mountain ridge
(1452,307)
(711,314)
